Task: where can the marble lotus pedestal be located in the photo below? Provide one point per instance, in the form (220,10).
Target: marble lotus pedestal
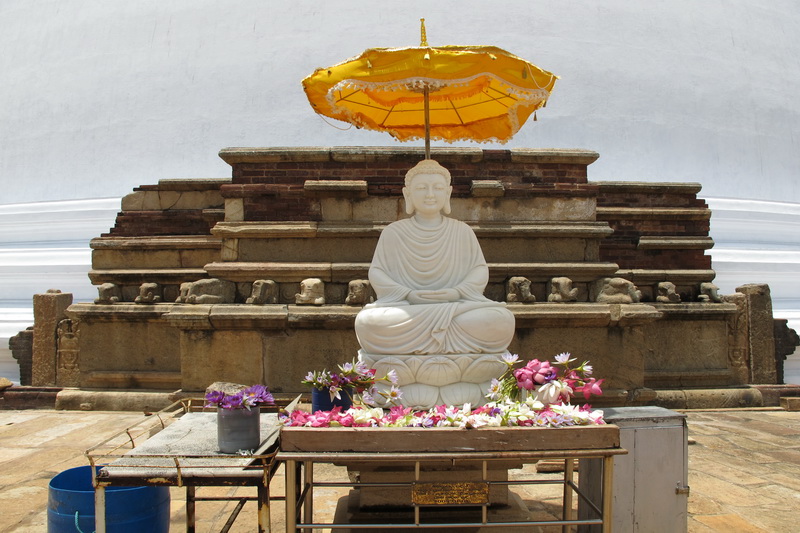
(441,379)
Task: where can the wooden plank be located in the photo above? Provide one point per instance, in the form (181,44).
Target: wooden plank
(388,440)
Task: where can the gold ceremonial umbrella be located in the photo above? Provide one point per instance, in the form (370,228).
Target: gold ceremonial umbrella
(449,93)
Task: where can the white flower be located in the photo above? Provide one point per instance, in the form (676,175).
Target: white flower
(367,415)
(367,399)
(587,370)
(347,367)
(550,392)
(392,375)
(510,358)
(494,389)
(563,358)
(394,393)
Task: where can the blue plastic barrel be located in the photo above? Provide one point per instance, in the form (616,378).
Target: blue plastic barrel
(128,509)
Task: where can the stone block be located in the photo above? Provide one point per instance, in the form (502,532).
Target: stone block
(234,209)
(48,310)
(760,333)
(790,404)
(124,341)
(207,356)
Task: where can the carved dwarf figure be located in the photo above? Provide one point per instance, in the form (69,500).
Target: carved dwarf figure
(359,292)
(265,291)
(709,293)
(312,292)
(618,291)
(518,289)
(149,293)
(667,294)
(108,293)
(561,290)
(207,291)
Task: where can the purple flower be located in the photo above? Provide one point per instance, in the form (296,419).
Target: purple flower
(257,394)
(214,398)
(233,401)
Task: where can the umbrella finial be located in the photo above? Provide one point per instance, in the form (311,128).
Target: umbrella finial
(423,36)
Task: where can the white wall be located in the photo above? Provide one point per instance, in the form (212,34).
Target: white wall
(99,96)
(102,95)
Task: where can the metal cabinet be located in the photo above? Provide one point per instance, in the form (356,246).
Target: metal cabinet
(651,481)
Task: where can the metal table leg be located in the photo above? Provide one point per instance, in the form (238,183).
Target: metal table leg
(100,509)
(190,509)
(290,468)
(308,486)
(264,525)
(608,495)
(569,477)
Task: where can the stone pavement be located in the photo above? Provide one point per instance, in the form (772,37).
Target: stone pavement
(744,471)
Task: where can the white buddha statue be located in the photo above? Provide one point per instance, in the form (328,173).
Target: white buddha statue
(429,274)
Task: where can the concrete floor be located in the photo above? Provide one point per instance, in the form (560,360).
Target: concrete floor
(744,471)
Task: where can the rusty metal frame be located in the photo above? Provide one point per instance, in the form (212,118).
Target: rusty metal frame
(259,468)
(300,484)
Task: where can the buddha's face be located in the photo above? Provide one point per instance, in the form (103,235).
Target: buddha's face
(427,194)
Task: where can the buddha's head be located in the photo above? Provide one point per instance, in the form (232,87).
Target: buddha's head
(427,188)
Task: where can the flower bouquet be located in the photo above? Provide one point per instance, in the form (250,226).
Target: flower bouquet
(354,382)
(238,417)
(535,395)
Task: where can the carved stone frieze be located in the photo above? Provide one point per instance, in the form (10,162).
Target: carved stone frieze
(67,355)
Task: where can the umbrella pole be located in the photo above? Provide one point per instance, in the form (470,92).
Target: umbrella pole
(426,97)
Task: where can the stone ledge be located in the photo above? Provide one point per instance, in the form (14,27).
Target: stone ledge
(675,243)
(192,184)
(653,213)
(335,188)
(587,315)
(164,276)
(648,187)
(121,400)
(721,398)
(29,397)
(121,312)
(697,310)
(344,272)
(644,276)
(155,243)
(310,230)
(486,188)
(133,380)
(553,155)
(236,155)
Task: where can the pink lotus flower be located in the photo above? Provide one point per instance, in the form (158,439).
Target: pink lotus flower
(535,373)
(592,386)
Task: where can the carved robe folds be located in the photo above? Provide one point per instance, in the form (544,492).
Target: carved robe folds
(412,257)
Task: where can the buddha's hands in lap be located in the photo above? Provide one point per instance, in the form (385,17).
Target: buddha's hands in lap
(433,296)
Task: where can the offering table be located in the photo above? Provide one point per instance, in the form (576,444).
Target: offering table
(178,447)
(301,447)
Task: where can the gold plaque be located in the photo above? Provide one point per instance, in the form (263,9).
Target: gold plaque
(458,493)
